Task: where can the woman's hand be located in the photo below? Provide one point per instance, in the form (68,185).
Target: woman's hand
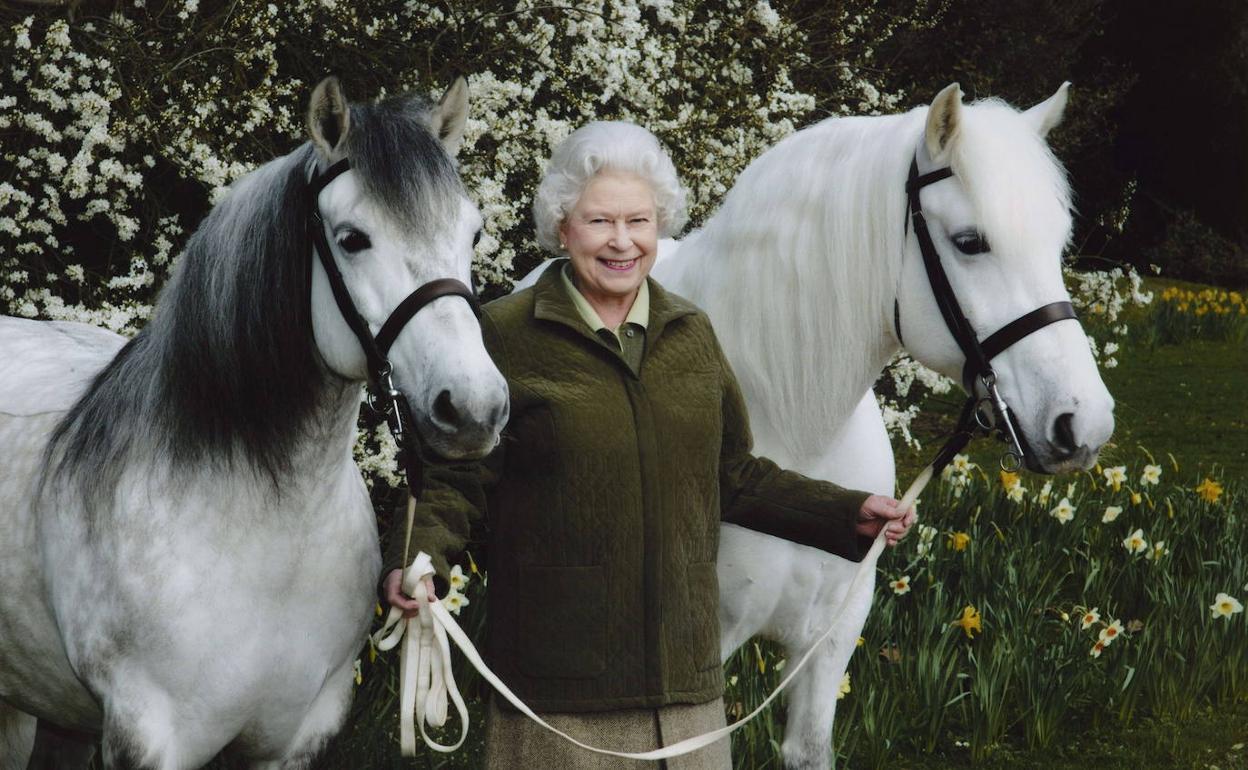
(394,593)
(879,512)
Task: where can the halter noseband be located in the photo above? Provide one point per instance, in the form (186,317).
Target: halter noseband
(383,396)
(978,354)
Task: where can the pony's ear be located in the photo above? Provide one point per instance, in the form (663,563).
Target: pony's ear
(451,114)
(329,117)
(944,120)
(1048,113)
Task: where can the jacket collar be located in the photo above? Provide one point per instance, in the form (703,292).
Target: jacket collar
(552,303)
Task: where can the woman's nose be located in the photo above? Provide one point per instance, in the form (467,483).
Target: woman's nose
(620,239)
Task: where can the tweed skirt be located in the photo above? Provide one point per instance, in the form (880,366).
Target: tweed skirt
(515,742)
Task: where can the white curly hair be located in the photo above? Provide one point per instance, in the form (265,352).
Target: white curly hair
(607,145)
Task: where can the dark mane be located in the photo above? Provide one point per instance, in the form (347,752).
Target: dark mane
(227,370)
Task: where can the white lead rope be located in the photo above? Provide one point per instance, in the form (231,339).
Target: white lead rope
(425,659)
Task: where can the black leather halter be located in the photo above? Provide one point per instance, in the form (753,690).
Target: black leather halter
(384,397)
(978,354)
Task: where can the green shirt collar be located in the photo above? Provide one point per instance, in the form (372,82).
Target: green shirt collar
(638,314)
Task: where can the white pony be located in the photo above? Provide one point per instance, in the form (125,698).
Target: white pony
(809,273)
(189,554)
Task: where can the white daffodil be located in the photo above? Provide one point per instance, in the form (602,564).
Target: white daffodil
(458,578)
(1111,632)
(1135,542)
(1152,475)
(1225,605)
(901,585)
(1111,513)
(1070,489)
(1158,550)
(1064,511)
(1016,493)
(843,690)
(454,601)
(1089,619)
(963,464)
(1115,476)
(1045,492)
(927,535)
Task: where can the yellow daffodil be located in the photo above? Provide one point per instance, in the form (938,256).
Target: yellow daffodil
(1136,498)
(862,640)
(1115,476)
(901,585)
(1089,619)
(472,564)
(959,540)
(1008,479)
(969,622)
(372,651)
(458,578)
(1111,632)
(1158,550)
(1064,511)
(1097,649)
(377,609)
(1135,542)
(843,690)
(1152,475)
(1111,513)
(454,601)
(1209,490)
(1225,605)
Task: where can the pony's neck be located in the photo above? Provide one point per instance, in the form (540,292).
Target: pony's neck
(798,273)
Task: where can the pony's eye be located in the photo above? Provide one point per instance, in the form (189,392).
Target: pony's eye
(353,241)
(971,242)
(476,239)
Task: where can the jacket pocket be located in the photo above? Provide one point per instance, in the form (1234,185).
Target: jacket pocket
(703,586)
(562,622)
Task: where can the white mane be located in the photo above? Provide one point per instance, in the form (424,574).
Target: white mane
(818,222)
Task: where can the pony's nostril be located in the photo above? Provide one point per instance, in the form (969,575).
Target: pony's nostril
(444,412)
(1064,432)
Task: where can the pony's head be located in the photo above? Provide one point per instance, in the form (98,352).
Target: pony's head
(396,220)
(999,225)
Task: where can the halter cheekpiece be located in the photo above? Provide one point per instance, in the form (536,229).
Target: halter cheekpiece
(978,354)
(383,397)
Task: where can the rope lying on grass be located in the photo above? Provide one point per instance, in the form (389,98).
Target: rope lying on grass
(426,683)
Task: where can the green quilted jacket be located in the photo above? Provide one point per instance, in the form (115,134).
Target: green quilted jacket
(604,502)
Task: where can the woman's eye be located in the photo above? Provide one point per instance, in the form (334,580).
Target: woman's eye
(971,242)
(353,241)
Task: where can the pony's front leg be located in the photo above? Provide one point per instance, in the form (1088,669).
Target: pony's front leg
(17,737)
(322,721)
(812,710)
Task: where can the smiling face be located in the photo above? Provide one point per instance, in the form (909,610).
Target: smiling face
(612,237)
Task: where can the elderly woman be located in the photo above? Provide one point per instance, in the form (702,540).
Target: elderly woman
(628,445)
